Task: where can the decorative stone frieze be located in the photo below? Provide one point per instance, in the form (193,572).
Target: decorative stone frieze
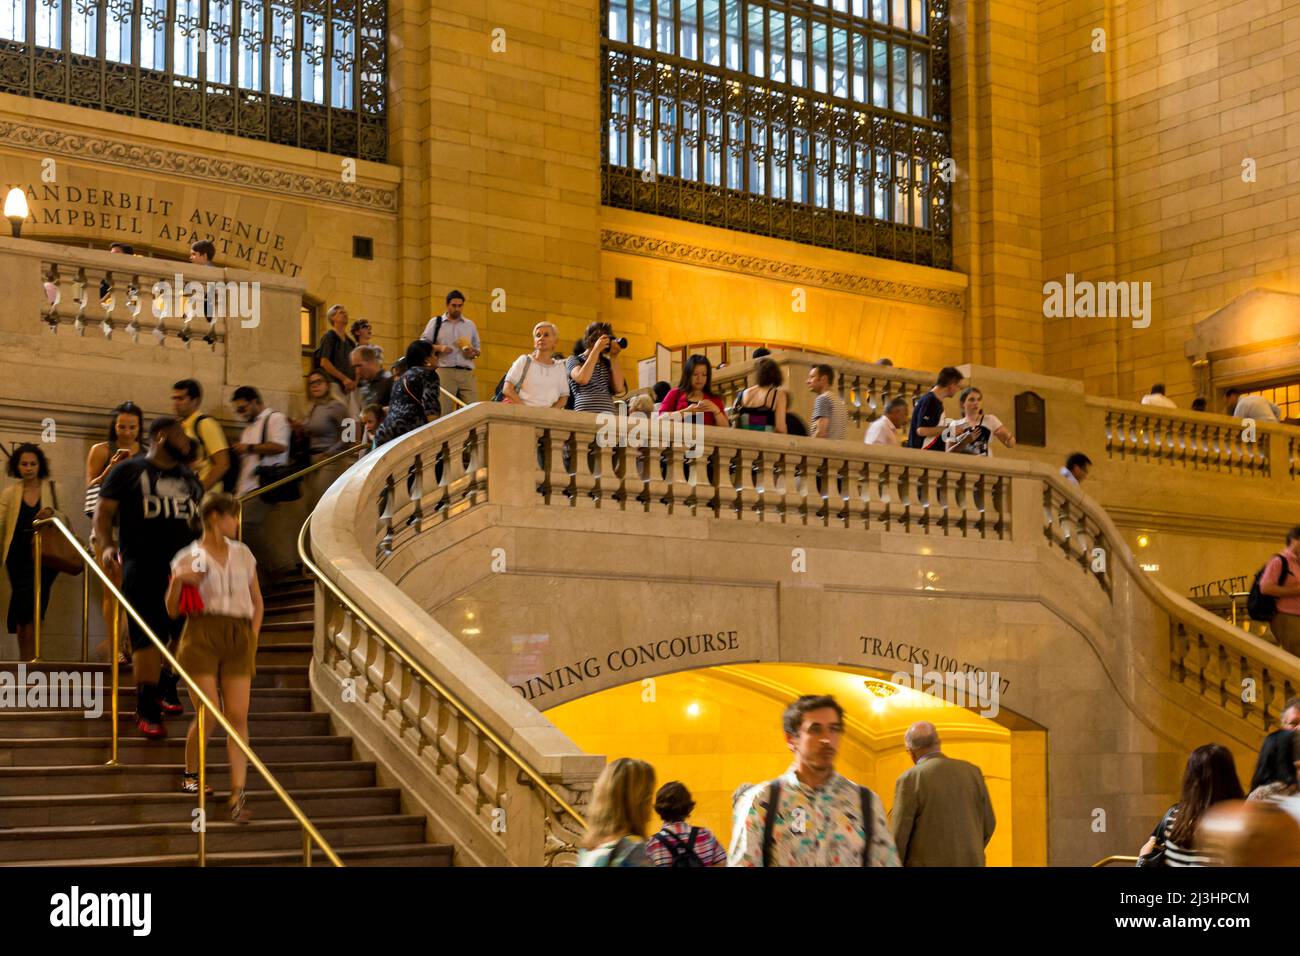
(673,251)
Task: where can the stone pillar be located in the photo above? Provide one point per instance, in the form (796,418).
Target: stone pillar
(511,170)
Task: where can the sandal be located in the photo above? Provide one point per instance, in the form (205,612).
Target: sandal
(190,783)
(239,812)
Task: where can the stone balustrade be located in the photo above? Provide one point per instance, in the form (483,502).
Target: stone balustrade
(132,324)
(490,463)
(739,475)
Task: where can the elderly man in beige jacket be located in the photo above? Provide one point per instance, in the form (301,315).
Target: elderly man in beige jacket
(942,815)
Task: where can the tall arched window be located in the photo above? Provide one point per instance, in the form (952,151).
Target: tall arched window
(309,73)
(819,121)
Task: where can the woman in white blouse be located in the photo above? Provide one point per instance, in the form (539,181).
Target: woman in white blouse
(219,643)
(538,379)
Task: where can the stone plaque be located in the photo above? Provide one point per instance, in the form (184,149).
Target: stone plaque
(1031,420)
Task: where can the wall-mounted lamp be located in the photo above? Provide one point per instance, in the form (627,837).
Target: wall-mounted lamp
(16,210)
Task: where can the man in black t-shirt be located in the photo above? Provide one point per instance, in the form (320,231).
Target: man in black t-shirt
(155,500)
(927,415)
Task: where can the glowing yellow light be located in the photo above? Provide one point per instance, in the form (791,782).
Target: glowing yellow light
(1143,540)
(693,709)
(16,204)
(469,615)
(470,631)
(878,705)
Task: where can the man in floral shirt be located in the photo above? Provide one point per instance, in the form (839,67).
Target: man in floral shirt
(818,815)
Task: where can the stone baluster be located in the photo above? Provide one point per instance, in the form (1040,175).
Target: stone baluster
(377,674)
(453,740)
(887,493)
(587,461)
(493,777)
(415,708)
(804,487)
(702,500)
(738,491)
(857,495)
(839,492)
(474,461)
(784,498)
(681,492)
(386,497)
(396,689)
(643,463)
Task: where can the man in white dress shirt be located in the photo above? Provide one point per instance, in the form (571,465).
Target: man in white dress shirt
(1157,397)
(884,430)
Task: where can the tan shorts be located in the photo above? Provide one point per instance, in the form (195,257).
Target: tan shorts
(214,644)
(1286,628)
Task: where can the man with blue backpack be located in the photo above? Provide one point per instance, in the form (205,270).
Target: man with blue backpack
(1275,594)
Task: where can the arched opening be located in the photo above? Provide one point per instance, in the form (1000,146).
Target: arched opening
(716,728)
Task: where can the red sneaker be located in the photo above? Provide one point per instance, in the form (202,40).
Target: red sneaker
(171,710)
(154,731)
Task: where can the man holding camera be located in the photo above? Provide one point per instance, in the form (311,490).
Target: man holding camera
(456,344)
(596,374)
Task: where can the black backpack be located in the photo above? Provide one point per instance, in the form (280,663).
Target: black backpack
(683,853)
(1261,606)
(769,823)
(230,480)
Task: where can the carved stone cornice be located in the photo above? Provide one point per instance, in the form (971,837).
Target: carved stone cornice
(668,249)
(211,170)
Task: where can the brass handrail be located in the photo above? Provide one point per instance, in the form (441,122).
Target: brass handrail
(202,703)
(289,478)
(1107,861)
(303,471)
(453,397)
(420,672)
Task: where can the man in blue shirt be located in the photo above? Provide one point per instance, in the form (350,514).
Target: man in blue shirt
(456,344)
(927,415)
(1076,468)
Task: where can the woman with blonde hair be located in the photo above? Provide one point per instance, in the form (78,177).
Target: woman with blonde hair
(536,378)
(622,802)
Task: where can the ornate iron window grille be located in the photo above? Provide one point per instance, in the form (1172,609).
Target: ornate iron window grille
(308,73)
(819,121)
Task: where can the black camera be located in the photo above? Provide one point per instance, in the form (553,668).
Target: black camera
(622,343)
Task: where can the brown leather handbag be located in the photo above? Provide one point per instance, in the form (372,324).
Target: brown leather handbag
(57,552)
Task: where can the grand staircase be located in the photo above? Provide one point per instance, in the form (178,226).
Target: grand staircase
(61,806)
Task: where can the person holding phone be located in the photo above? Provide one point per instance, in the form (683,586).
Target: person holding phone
(125,426)
(694,395)
(972,434)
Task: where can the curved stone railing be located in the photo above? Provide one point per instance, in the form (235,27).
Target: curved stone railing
(1150,435)
(459,474)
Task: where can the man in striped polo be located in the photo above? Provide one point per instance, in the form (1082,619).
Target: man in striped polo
(829,418)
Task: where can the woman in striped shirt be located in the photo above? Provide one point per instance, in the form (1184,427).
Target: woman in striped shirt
(596,374)
(1210,778)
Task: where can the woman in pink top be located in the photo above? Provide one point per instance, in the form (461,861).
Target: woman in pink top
(693,396)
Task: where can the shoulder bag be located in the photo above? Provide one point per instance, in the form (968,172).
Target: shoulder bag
(57,552)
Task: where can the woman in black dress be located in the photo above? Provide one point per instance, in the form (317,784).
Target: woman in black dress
(415,399)
(26,500)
